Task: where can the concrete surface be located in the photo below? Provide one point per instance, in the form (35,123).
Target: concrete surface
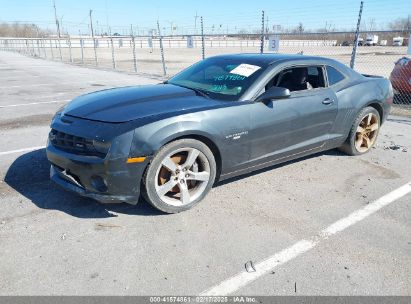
(55,243)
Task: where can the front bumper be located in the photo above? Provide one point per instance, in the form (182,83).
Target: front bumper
(105,180)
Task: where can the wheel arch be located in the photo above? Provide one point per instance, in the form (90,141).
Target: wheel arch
(373,104)
(376,105)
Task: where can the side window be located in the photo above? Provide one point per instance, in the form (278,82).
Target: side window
(299,79)
(316,77)
(334,76)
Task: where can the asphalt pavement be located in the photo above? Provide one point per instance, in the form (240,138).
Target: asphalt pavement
(328,224)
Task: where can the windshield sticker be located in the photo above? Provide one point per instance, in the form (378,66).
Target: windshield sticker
(229,77)
(218,88)
(245,69)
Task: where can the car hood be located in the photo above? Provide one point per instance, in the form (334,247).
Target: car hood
(131,103)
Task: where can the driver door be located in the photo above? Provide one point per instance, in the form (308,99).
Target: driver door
(294,125)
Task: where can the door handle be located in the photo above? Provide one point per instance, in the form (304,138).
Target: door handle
(328,101)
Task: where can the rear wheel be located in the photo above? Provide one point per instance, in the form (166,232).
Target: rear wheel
(364,132)
(180,176)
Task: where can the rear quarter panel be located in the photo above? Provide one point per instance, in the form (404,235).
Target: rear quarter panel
(353,96)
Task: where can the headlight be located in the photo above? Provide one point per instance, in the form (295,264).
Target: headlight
(101,146)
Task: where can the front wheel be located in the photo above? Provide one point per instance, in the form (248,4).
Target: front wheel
(363,133)
(180,175)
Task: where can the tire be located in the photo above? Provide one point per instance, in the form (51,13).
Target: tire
(364,132)
(180,175)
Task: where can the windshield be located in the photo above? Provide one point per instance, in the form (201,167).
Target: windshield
(220,78)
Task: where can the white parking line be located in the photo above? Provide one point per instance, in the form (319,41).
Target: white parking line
(34,103)
(242,279)
(21,150)
(44,84)
(29,85)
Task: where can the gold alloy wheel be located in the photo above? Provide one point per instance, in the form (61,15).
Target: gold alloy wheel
(367,132)
(182,177)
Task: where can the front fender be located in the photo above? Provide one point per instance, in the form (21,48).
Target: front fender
(150,138)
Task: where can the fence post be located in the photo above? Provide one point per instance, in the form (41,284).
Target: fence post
(61,56)
(357,34)
(51,50)
(262,33)
(95,51)
(33,47)
(113,60)
(38,46)
(43,46)
(82,50)
(133,41)
(161,49)
(202,38)
(70,51)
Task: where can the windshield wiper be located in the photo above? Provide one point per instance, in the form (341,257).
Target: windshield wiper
(198,91)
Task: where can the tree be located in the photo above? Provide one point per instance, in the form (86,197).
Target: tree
(21,30)
(402,24)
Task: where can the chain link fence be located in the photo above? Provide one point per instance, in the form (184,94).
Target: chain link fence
(386,55)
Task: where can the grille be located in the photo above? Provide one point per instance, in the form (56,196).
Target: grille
(73,144)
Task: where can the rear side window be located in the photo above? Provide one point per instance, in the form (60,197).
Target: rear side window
(334,76)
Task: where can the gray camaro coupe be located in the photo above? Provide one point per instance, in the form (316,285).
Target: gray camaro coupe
(222,117)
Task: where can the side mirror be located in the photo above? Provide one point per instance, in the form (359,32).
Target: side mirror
(274,93)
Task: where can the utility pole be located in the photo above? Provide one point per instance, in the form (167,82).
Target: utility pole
(357,34)
(262,33)
(91,24)
(58,28)
(57,21)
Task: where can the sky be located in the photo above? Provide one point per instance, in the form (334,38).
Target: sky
(220,16)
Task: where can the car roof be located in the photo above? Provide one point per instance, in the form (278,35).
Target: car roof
(270,58)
